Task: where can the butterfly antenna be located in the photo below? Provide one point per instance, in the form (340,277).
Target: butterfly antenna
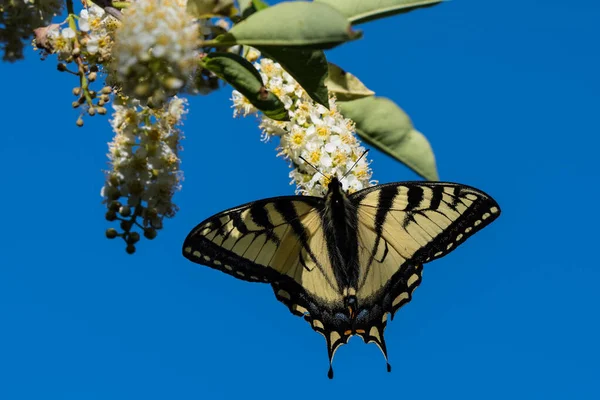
(315,168)
(359,158)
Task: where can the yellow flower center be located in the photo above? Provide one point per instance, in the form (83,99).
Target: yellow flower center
(348,139)
(112,24)
(339,158)
(298,138)
(131,117)
(276,91)
(60,43)
(322,131)
(163,40)
(304,107)
(360,173)
(95,24)
(171,160)
(315,156)
(268,68)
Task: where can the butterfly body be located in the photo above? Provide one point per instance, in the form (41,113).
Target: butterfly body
(343,262)
(340,224)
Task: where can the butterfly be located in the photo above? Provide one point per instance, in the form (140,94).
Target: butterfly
(344,262)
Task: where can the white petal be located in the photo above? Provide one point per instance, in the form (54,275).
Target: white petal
(330,147)
(92,46)
(159,51)
(326,160)
(84,24)
(68,33)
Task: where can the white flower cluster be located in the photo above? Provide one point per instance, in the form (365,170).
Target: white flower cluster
(61,41)
(322,137)
(100,28)
(93,39)
(144,158)
(155,49)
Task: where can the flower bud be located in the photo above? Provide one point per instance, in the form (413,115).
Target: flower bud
(125,211)
(150,233)
(114,206)
(111,233)
(134,237)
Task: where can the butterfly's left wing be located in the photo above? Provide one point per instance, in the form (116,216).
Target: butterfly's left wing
(401,226)
(279,241)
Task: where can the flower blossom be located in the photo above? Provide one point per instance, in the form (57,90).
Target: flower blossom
(144,160)
(60,40)
(155,49)
(321,136)
(100,28)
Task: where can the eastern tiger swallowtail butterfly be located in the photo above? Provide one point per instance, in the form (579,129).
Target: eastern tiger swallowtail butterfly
(343,262)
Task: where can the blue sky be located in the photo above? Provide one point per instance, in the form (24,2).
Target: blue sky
(508,94)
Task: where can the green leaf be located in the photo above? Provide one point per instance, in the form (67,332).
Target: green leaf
(385,126)
(308,67)
(241,74)
(344,85)
(208,8)
(359,11)
(298,23)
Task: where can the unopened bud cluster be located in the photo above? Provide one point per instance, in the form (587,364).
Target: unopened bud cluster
(144,174)
(127,221)
(95,102)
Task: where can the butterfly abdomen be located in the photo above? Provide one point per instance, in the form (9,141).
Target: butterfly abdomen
(340,219)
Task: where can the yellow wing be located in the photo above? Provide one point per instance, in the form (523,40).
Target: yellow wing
(279,241)
(401,226)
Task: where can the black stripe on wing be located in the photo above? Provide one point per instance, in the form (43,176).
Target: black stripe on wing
(251,226)
(474,208)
